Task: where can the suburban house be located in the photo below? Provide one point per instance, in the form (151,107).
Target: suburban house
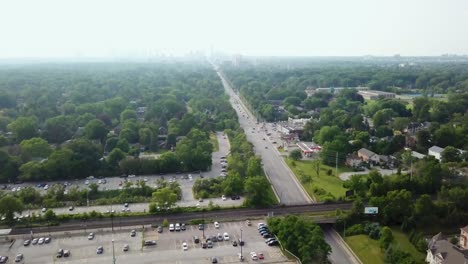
(368,156)
(352,160)
(441,251)
(417,155)
(464,237)
(436,152)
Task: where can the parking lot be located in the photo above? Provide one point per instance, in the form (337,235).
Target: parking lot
(168,248)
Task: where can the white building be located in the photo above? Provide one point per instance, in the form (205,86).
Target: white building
(436,152)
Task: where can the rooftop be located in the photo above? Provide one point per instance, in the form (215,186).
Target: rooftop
(436,149)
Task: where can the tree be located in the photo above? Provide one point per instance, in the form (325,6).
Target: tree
(254,166)
(451,154)
(256,191)
(115,156)
(96,129)
(295,154)
(23,128)
(59,129)
(35,148)
(383,116)
(50,215)
(123,145)
(386,237)
(164,198)
(233,184)
(9,205)
(93,190)
(357,184)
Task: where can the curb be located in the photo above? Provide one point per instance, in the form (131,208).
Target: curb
(347,248)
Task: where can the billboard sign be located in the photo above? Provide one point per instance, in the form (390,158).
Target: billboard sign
(371,210)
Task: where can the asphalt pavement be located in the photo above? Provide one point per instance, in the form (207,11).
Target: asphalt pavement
(285,184)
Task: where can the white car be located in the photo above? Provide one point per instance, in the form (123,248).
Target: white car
(184,246)
(216,224)
(44,210)
(45,188)
(226,236)
(223,197)
(253,255)
(171,227)
(40,241)
(91,236)
(190,177)
(99,181)
(86,182)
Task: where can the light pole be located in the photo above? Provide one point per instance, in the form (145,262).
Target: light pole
(241,242)
(203,229)
(112,219)
(113,252)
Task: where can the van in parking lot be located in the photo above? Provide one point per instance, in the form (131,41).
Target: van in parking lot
(171,227)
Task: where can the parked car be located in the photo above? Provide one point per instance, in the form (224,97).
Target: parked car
(273,242)
(160,229)
(91,236)
(210,244)
(60,253)
(196,240)
(133,233)
(261,256)
(248,223)
(182,227)
(226,236)
(66,253)
(216,225)
(40,241)
(150,243)
(241,242)
(126,247)
(253,256)
(204,245)
(177,227)
(171,227)
(26,242)
(34,241)
(47,240)
(201,227)
(234,243)
(184,246)
(214,260)
(220,237)
(19,257)
(100,250)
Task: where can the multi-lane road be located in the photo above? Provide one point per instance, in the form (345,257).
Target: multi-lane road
(285,184)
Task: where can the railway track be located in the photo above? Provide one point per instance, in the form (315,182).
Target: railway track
(226,214)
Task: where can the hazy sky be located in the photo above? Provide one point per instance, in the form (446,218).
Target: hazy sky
(46,28)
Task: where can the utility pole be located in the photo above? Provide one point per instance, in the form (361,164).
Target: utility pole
(336,164)
(113,252)
(411,172)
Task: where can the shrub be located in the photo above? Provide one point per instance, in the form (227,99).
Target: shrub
(356,229)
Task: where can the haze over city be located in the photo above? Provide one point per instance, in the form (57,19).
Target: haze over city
(273,28)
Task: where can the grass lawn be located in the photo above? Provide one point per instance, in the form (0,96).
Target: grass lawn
(214,141)
(368,250)
(401,240)
(328,184)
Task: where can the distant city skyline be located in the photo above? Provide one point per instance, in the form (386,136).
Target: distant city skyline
(105,28)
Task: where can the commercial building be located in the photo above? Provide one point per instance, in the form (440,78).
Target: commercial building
(374,95)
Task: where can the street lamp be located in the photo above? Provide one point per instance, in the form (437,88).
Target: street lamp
(241,242)
(113,252)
